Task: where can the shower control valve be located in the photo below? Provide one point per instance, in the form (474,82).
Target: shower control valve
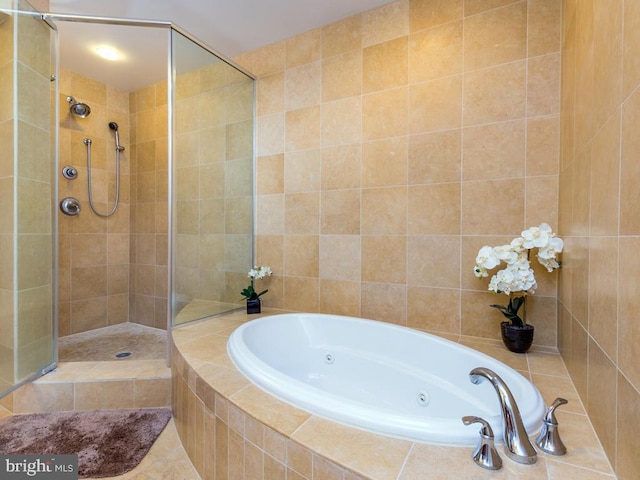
(70,206)
(69,172)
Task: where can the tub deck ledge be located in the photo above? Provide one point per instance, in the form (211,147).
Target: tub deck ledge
(234,430)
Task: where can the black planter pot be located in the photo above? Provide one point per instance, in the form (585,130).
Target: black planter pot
(253,305)
(517,339)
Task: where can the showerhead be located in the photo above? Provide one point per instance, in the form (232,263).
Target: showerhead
(114,126)
(81,110)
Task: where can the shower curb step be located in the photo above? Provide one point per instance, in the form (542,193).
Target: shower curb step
(95,386)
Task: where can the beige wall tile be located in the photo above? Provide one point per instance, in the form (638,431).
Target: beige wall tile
(628,326)
(493,151)
(380,134)
(270,214)
(340,257)
(628,407)
(543,85)
(429,14)
(495,94)
(384,211)
(302,129)
(607,50)
(104,395)
(630,61)
(340,212)
(152,393)
(605,178)
(302,213)
(301,255)
(385,114)
(270,59)
(385,65)
(342,36)
(602,381)
(385,302)
(342,122)
(339,297)
(384,259)
(302,171)
(433,309)
(302,294)
(629,168)
(303,86)
(543,140)
(428,254)
(342,76)
(88,249)
(347,447)
(504,199)
(303,48)
(270,174)
(385,23)
(541,201)
(38,397)
(473,7)
(341,167)
(435,52)
(384,162)
(435,105)
(88,314)
(435,157)
(270,94)
(495,36)
(270,131)
(434,209)
(544,30)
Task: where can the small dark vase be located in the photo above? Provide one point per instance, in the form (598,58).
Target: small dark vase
(517,339)
(253,305)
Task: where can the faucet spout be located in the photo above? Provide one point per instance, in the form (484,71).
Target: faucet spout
(517,445)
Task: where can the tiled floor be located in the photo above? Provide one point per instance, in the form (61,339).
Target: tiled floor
(103,344)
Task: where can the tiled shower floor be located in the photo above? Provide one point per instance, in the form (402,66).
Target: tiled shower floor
(103,344)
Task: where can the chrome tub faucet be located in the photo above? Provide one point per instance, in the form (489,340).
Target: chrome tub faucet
(517,445)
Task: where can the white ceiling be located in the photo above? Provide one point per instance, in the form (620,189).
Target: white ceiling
(230,27)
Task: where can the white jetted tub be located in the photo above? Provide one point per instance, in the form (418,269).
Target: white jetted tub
(379,377)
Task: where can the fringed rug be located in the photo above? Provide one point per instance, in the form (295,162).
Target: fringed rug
(108,442)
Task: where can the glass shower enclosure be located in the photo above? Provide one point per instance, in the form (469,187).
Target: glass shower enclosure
(27,190)
(188,194)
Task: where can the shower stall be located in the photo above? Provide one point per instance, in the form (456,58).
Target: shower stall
(122,205)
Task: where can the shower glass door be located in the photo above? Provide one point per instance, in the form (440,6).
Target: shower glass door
(27,190)
(212,186)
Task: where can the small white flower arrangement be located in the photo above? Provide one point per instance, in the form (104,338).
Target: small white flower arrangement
(258,272)
(518,276)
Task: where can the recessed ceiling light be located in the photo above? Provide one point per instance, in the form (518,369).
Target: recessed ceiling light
(107,52)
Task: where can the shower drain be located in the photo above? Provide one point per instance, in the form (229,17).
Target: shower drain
(123,354)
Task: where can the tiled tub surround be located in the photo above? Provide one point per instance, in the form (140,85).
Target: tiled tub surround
(232,430)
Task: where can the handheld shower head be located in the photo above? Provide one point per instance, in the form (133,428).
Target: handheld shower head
(114,126)
(77,109)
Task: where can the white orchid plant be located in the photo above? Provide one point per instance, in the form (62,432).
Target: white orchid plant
(518,276)
(256,273)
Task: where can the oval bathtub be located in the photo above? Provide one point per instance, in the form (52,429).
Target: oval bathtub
(376,376)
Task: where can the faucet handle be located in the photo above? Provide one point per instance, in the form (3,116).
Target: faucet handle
(550,416)
(549,439)
(485,454)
